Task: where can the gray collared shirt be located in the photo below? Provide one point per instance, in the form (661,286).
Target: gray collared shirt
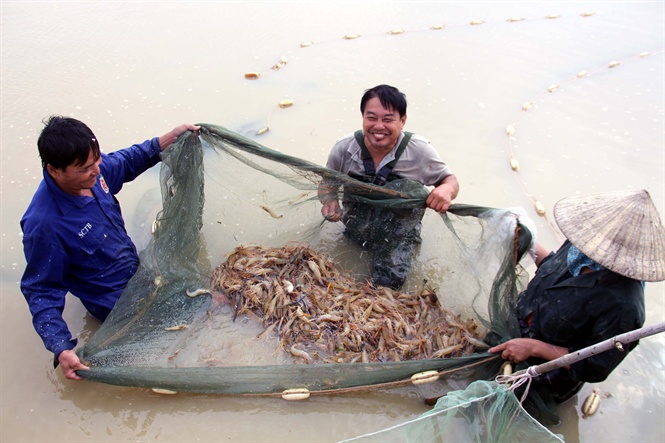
(419,161)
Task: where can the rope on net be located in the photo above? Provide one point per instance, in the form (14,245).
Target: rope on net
(525,376)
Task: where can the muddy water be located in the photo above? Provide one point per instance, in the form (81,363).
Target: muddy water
(135,70)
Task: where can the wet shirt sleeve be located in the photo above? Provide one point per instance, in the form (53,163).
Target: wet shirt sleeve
(126,164)
(44,290)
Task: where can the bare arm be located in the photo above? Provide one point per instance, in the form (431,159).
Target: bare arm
(520,349)
(331,210)
(443,195)
(541,253)
(171,136)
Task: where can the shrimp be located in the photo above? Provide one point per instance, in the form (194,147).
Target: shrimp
(271,212)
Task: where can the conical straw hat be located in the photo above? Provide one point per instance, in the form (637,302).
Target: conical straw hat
(620,230)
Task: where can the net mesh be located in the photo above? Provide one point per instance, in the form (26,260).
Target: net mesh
(484,411)
(180,325)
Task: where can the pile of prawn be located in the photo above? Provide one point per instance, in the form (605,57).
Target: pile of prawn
(322,315)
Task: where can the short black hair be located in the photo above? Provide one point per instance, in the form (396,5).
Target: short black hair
(389,96)
(66,141)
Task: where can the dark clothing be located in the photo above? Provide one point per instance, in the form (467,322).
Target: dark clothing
(577,312)
(79,244)
(392,235)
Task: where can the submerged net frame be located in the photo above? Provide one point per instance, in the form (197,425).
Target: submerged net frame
(221,190)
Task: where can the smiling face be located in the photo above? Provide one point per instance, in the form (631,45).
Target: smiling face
(382,127)
(77,179)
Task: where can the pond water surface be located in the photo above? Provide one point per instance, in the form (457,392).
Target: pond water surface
(133,70)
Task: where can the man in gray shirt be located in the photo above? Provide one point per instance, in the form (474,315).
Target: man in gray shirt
(382,154)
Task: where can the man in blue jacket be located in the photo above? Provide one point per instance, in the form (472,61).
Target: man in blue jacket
(74,236)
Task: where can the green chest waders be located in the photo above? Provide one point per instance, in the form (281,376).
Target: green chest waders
(391,234)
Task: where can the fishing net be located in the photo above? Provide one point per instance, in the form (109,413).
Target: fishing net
(244,288)
(484,411)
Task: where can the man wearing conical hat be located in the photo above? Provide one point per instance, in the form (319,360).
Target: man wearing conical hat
(591,289)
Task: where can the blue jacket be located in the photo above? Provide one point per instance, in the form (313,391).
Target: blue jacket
(80,245)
